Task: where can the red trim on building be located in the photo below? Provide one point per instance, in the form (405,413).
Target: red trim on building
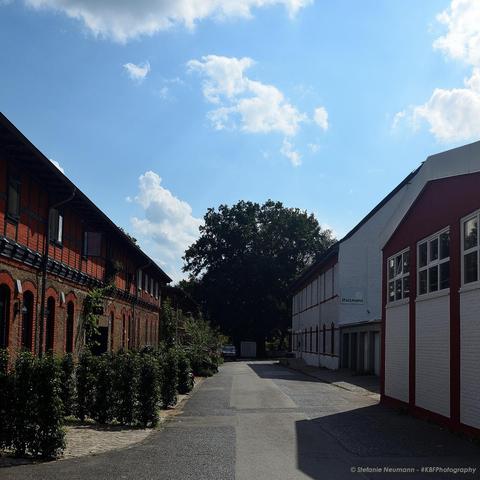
(442,203)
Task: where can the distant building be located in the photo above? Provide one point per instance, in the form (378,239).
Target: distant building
(55,246)
(356,309)
(431,305)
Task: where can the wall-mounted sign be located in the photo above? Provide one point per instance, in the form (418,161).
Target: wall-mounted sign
(352,298)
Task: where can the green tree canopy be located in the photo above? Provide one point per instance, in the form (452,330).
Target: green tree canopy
(244,261)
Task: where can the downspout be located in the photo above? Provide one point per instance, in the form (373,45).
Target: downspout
(41,320)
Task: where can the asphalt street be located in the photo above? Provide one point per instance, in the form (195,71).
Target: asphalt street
(257,420)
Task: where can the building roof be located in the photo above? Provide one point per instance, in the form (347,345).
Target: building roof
(437,161)
(311,270)
(372,212)
(19,148)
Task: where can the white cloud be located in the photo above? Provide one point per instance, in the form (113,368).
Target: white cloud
(321,118)
(127,19)
(462,40)
(168,223)
(313,147)
(288,151)
(398,118)
(137,72)
(57,165)
(452,114)
(243,103)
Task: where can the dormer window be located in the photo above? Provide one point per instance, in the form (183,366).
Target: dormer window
(56,226)
(92,244)
(13,197)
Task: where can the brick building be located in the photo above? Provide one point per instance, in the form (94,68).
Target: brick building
(55,246)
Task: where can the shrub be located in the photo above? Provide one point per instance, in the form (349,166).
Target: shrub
(169,378)
(6,401)
(86,380)
(185,375)
(25,420)
(103,405)
(67,384)
(148,391)
(125,383)
(50,436)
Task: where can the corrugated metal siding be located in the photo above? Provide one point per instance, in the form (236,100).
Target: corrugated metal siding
(432,378)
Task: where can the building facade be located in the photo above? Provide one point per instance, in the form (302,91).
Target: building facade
(55,247)
(359,275)
(431,305)
(315,313)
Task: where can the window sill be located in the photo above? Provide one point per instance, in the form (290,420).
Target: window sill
(398,303)
(469,287)
(430,296)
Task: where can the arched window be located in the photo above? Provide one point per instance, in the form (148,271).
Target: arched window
(50,324)
(332,339)
(112,330)
(4,314)
(70,327)
(27,320)
(324,337)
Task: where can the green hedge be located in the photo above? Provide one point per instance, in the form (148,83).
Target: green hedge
(127,388)
(31,406)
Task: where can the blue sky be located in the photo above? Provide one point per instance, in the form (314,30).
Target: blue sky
(159,109)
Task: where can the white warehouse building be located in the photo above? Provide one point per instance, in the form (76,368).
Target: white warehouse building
(342,328)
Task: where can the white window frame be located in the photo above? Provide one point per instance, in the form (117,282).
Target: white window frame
(432,263)
(470,250)
(398,276)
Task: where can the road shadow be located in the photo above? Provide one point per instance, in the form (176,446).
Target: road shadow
(378,436)
(274,371)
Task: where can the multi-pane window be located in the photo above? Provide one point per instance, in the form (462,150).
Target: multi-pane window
(399,276)
(434,263)
(470,249)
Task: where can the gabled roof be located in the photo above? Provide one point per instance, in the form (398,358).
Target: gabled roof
(19,148)
(372,212)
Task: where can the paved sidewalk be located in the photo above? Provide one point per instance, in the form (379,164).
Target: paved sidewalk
(368,385)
